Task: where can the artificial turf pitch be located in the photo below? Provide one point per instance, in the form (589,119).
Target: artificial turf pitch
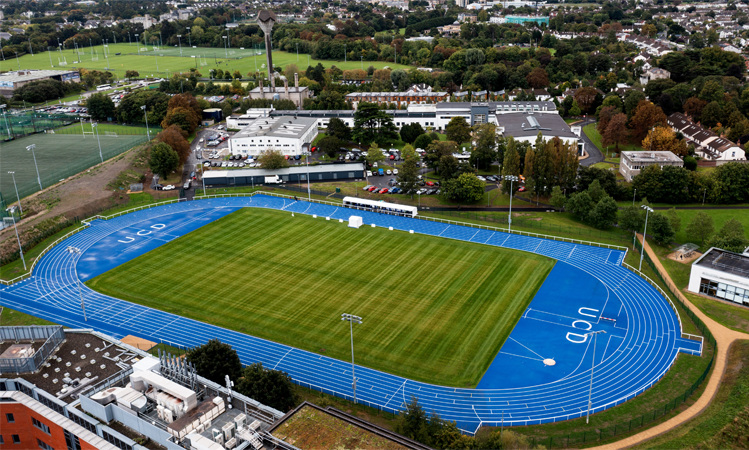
(434,309)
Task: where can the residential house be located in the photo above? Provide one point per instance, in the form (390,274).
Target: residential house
(707,144)
(654,73)
(416,94)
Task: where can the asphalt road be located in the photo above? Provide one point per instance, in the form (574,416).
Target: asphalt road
(595,153)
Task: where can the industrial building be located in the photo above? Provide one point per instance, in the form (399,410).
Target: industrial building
(296,174)
(633,162)
(434,116)
(722,275)
(10,81)
(525,127)
(288,134)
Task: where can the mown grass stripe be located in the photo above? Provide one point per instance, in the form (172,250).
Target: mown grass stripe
(435,310)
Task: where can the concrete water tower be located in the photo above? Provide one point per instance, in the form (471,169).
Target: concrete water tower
(266,19)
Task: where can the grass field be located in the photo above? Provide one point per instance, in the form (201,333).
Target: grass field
(434,310)
(62,154)
(151,63)
(595,137)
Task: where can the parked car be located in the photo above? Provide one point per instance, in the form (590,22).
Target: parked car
(372,189)
(521,189)
(395,171)
(369,173)
(168,187)
(392,157)
(430,183)
(380,172)
(383,190)
(367,187)
(389,172)
(159,187)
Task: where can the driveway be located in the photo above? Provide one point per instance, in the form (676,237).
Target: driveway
(595,155)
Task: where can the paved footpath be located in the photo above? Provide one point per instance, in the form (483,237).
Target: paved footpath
(724,338)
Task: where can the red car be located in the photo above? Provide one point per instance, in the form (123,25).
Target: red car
(312,150)
(430,183)
(521,189)
(392,157)
(372,189)
(383,191)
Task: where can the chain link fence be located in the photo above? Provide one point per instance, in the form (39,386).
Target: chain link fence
(13,126)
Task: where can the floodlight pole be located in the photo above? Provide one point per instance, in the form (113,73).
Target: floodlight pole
(148,132)
(704,192)
(351,320)
(115,37)
(593,365)
(96,128)
(7,127)
(38,178)
(633,197)
(76,251)
(309,189)
(647,212)
(189,38)
(137,44)
(13,174)
(512,179)
(226,54)
(20,250)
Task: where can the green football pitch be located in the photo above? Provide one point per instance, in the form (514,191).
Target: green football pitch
(166,61)
(434,310)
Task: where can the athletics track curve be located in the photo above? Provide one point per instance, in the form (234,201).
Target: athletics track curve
(647,349)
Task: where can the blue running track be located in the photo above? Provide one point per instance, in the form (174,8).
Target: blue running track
(541,374)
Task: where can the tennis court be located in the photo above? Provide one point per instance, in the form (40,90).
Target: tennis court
(61,153)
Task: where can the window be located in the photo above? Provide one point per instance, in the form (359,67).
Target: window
(16,439)
(10,418)
(43,445)
(40,425)
(2,441)
(73,443)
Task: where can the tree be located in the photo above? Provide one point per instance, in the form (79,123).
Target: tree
(269,387)
(338,129)
(693,107)
(374,154)
(100,107)
(557,198)
(674,218)
(329,145)
(486,146)
(700,227)
(604,117)
(663,139)
(660,228)
(537,78)
(183,118)
(465,188)
(410,132)
(575,110)
(580,205)
(604,213)
(422,141)
(631,219)
(371,124)
(631,100)
(172,136)
(645,117)
(731,237)
(711,114)
(130,74)
(163,160)
(458,130)
(273,159)
(214,360)
(586,98)
(616,131)
(408,174)
(511,166)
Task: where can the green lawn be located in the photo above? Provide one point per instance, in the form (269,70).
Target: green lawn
(725,422)
(435,310)
(13,318)
(595,137)
(149,63)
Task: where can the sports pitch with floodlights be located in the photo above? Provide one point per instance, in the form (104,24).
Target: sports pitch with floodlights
(435,310)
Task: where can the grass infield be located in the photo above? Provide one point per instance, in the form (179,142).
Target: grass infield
(434,310)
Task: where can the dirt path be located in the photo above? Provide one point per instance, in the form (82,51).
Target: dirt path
(723,336)
(73,194)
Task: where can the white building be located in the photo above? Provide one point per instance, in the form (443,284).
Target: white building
(707,144)
(288,134)
(525,126)
(721,274)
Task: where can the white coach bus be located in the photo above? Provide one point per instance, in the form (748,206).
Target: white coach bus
(380,206)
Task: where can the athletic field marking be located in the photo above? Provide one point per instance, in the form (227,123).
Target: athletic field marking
(571,251)
(520,356)
(474,235)
(490,236)
(443,230)
(284,356)
(608,294)
(510,337)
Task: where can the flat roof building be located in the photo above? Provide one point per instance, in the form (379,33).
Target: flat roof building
(525,126)
(288,134)
(633,162)
(11,81)
(721,274)
(295,174)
